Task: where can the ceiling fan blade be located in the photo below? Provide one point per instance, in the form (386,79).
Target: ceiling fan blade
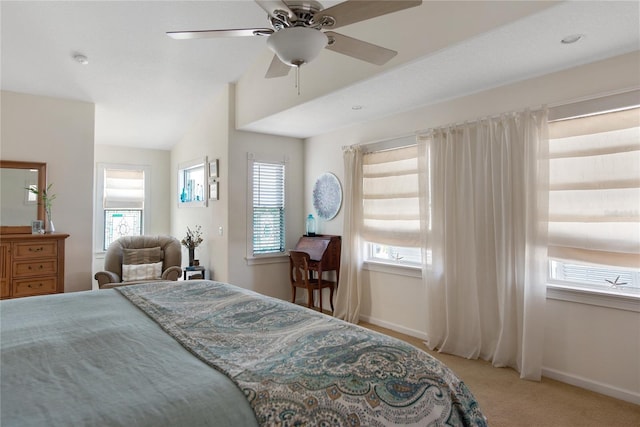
(206,34)
(359,49)
(352,11)
(270,6)
(277,68)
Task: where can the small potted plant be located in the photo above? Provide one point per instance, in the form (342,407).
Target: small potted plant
(192,240)
(45,198)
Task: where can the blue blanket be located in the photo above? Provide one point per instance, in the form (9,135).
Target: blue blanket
(300,367)
(93,359)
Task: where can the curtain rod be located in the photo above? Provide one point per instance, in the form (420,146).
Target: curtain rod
(420,132)
(387,143)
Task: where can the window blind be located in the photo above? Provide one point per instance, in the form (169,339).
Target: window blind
(594,198)
(268,208)
(391,208)
(123,189)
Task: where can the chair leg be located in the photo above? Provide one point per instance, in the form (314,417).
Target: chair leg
(309,297)
(293,293)
(320,296)
(331,298)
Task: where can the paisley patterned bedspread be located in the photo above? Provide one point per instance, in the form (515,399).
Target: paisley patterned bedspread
(298,367)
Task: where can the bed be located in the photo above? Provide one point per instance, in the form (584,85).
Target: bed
(205,353)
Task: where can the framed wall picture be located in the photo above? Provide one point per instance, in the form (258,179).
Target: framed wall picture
(213,169)
(213,189)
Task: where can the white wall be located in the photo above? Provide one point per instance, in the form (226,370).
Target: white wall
(59,132)
(212,134)
(159,162)
(208,136)
(605,358)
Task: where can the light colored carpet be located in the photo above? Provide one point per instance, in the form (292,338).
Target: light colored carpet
(508,401)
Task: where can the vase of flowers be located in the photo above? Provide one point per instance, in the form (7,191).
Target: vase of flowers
(45,198)
(192,240)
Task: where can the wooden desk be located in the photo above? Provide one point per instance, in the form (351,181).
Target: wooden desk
(324,251)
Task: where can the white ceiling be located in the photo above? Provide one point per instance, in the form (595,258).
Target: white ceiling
(148,88)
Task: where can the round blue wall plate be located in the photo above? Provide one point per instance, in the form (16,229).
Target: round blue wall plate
(327,196)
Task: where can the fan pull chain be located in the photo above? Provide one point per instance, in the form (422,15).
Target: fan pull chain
(298,79)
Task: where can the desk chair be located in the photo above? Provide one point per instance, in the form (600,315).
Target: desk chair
(301,277)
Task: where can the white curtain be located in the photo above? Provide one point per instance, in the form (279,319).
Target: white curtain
(347,305)
(484,211)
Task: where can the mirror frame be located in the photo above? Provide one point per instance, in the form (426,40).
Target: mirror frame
(42,183)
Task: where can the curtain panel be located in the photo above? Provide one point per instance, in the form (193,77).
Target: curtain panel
(347,304)
(484,208)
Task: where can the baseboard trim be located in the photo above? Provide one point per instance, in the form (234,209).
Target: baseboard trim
(575,380)
(598,387)
(394,327)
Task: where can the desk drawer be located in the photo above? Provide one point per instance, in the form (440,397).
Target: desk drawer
(42,267)
(36,286)
(35,249)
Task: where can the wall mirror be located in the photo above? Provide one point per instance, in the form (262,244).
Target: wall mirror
(18,206)
(192,183)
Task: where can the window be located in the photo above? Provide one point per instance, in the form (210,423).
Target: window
(120,205)
(268,207)
(395,254)
(594,201)
(391,208)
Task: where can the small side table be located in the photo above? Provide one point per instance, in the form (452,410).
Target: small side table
(194,272)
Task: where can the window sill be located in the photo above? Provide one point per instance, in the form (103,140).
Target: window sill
(398,269)
(267,259)
(601,298)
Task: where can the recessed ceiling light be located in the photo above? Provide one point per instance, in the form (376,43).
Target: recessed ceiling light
(357,107)
(81,59)
(572,38)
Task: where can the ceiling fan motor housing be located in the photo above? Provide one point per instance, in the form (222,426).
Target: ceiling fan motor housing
(297,45)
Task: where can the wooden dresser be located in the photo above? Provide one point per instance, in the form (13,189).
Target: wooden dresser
(31,264)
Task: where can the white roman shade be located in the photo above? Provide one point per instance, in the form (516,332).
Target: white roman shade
(391,208)
(123,189)
(594,197)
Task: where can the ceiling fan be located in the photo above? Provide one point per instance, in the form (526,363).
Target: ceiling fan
(296,35)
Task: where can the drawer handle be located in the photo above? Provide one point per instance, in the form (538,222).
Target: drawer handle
(31,285)
(40,267)
(40,249)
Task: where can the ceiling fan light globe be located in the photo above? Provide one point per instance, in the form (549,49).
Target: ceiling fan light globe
(297,45)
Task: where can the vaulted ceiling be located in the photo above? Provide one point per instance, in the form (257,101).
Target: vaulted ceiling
(148,88)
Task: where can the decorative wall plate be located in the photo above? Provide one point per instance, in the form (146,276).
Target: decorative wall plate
(327,196)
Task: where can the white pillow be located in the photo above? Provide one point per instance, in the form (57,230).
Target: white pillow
(141,271)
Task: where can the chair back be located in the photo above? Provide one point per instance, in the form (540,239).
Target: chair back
(170,246)
(299,268)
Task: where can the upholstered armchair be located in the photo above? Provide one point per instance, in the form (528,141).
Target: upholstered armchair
(140,259)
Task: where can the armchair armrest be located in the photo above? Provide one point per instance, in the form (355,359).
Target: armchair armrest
(106,277)
(172,273)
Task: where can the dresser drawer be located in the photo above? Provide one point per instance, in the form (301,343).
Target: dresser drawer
(35,249)
(41,267)
(36,286)
(5,289)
